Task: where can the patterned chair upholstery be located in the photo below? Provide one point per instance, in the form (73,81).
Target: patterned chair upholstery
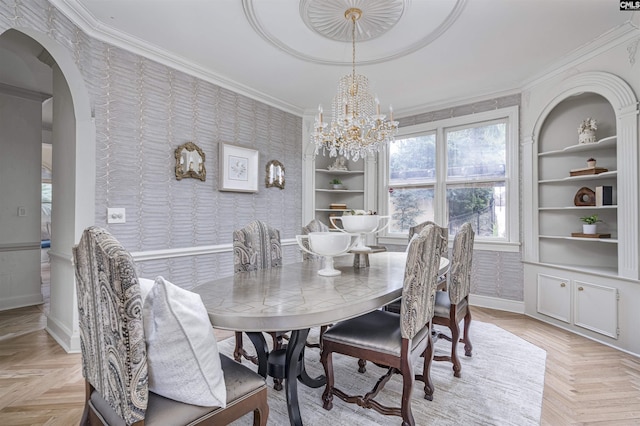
(453,305)
(313,226)
(442,279)
(392,340)
(114,356)
(445,234)
(256,246)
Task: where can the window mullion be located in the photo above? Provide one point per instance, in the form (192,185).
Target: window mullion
(440,208)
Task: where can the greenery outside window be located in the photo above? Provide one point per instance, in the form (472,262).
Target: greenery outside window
(453,171)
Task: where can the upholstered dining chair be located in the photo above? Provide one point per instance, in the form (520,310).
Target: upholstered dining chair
(114,349)
(442,279)
(313,226)
(445,233)
(452,306)
(256,246)
(395,341)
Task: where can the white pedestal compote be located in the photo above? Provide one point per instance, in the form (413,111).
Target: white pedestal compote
(328,245)
(362,224)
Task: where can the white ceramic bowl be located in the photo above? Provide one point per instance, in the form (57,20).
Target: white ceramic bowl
(360,223)
(329,243)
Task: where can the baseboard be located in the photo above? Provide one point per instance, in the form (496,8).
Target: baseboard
(7,303)
(69,341)
(514,306)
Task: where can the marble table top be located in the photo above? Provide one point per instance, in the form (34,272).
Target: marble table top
(295,297)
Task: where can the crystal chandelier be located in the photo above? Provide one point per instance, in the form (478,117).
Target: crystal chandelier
(357,127)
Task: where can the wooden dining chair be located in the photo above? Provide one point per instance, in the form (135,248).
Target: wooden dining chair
(452,306)
(256,246)
(395,341)
(114,350)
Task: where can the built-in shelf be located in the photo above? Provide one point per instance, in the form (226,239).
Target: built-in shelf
(341,190)
(577,208)
(608,272)
(606,175)
(340,172)
(604,143)
(590,240)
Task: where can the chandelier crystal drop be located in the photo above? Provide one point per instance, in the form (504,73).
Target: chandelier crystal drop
(357,127)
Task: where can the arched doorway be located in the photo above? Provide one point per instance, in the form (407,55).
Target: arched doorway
(73,208)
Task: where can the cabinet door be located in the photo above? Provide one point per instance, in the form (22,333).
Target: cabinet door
(596,308)
(554,297)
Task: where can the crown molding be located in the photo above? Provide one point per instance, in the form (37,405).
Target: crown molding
(81,17)
(621,34)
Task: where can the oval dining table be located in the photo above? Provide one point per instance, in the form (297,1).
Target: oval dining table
(295,298)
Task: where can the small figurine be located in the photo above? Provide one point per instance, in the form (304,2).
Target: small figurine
(339,164)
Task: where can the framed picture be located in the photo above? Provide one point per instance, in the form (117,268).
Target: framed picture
(238,169)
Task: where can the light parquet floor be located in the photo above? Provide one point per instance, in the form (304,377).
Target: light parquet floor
(586,383)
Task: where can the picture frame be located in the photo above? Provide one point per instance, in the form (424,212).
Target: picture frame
(238,168)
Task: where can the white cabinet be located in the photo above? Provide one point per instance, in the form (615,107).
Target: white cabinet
(596,308)
(587,305)
(554,297)
(601,276)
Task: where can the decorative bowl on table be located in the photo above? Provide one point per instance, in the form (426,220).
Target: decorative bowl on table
(328,244)
(360,222)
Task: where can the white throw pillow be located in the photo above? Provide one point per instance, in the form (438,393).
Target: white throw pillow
(145,287)
(182,351)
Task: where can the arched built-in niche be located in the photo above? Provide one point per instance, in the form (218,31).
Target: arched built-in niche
(625,107)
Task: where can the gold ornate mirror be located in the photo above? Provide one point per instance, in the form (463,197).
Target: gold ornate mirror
(275,174)
(190,162)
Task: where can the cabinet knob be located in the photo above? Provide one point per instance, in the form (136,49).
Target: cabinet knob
(580,288)
(563,284)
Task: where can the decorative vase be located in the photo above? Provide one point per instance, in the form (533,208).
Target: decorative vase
(589,228)
(587,136)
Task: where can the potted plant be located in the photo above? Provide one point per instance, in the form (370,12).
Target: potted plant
(590,224)
(591,162)
(336,183)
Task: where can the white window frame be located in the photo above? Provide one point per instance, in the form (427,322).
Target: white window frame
(511,241)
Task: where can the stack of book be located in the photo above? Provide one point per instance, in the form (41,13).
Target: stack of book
(338,206)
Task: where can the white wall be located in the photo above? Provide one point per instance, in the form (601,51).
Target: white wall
(20,159)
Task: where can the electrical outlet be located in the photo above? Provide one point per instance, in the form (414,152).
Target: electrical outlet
(116,215)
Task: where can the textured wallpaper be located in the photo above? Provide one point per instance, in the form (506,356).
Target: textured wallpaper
(143,111)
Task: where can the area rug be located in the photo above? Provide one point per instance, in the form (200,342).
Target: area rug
(501,384)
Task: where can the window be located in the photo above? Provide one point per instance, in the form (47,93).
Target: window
(453,171)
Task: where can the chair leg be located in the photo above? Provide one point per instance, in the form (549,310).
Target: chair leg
(467,341)
(455,335)
(426,371)
(261,413)
(407,387)
(327,364)
(237,352)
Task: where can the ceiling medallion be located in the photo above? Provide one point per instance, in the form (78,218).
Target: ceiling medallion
(327,17)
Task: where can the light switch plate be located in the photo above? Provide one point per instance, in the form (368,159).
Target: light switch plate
(116,215)
(22,211)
